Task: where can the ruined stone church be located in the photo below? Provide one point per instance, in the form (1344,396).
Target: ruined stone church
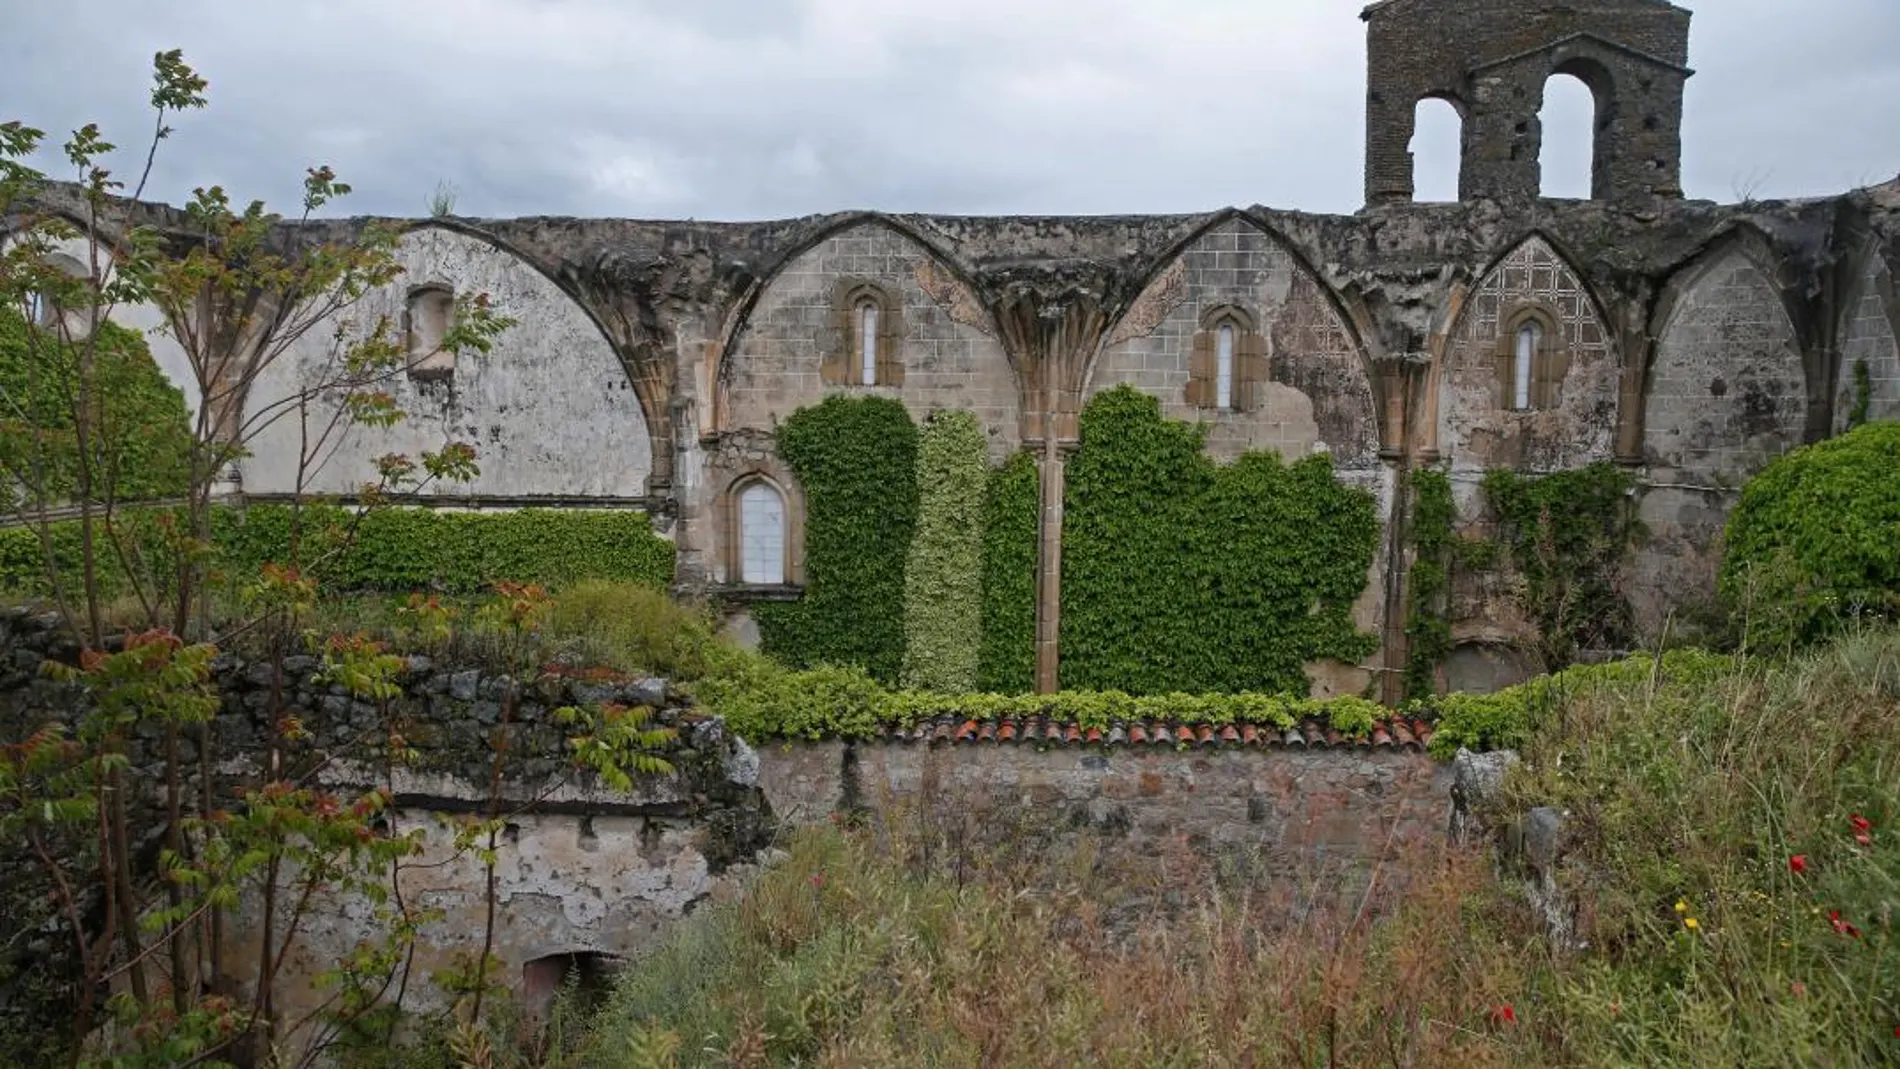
(1687,341)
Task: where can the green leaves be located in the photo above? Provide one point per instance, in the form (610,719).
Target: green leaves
(1179,574)
(943,577)
(1815,540)
(1567,534)
(1427,630)
(1010,505)
(855,458)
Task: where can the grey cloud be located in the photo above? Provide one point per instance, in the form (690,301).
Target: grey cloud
(758,108)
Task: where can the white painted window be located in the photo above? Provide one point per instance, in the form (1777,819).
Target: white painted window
(1528,337)
(867,342)
(761,536)
(1224,367)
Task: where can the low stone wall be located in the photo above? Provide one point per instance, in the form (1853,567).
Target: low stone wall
(1298,808)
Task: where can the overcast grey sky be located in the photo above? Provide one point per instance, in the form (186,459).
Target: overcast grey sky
(734,109)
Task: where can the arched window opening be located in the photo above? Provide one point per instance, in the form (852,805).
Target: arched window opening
(1437,150)
(1568,157)
(426,318)
(1224,367)
(867,341)
(39,310)
(761,535)
(1530,338)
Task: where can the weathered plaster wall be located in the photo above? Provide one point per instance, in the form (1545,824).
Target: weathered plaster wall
(1478,429)
(1319,396)
(1288,805)
(1868,337)
(549,410)
(951,357)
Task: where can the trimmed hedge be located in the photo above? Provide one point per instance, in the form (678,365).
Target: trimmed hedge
(395,550)
(1010,505)
(855,458)
(764,702)
(1815,539)
(1183,575)
(943,577)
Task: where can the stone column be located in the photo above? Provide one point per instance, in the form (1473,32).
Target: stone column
(1052,318)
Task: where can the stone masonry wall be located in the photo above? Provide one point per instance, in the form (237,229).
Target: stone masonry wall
(579,870)
(1869,338)
(1319,396)
(1296,809)
(951,358)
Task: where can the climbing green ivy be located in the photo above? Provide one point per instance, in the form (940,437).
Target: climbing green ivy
(394,550)
(142,447)
(1863,394)
(943,576)
(855,459)
(1566,535)
(1427,630)
(1182,575)
(1008,662)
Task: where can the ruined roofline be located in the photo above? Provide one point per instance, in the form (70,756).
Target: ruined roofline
(1373,10)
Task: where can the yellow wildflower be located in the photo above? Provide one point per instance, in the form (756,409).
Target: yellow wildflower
(1681,906)
(1691,924)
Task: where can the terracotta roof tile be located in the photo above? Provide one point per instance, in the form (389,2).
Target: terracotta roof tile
(1393,734)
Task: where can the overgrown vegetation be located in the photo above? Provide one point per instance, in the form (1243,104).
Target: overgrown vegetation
(1427,627)
(1730,829)
(943,578)
(1180,574)
(1010,505)
(1812,545)
(1567,535)
(140,440)
(855,458)
(388,550)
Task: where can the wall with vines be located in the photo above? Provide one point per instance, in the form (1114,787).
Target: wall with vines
(142,448)
(943,578)
(1010,505)
(1566,536)
(1180,574)
(855,459)
(1427,627)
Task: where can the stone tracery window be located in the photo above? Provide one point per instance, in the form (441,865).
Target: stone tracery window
(1529,338)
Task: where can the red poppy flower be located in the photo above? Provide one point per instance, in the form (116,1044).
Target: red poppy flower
(817,879)
(1798,864)
(1504,1014)
(1860,823)
(1841,926)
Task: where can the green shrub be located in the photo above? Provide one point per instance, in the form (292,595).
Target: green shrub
(634,627)
(855,458)
(1506,719)
(1179,574)
(1815,540)
(1011,503)
(142,440)
(943,576)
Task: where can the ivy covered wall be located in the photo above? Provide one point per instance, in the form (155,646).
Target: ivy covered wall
(1010,502)
(1183,575)
(855,459)
(943,579)
(142,448)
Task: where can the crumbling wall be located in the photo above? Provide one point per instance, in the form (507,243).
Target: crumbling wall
(1867,340)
